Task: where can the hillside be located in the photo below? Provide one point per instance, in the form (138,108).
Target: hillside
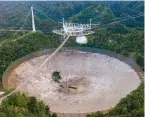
(21,105)
(15,14)
(126,38)
(98,12)
(134,8)
(21,46)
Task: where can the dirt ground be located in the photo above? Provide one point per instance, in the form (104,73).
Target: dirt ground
(100,81)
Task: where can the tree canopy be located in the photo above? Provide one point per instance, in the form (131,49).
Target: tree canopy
(21,105)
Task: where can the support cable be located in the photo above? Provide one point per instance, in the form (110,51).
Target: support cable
(52,55)
(42,13)
(38,69)
(120,20)
(20,29)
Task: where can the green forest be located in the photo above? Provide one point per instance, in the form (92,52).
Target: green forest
(21,105)
(126,38)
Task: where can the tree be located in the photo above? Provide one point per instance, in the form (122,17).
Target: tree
(30,108)
(56,76)
(54,115)
(96,114)
(32,105)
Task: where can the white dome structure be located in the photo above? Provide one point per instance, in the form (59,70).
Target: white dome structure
(81,39)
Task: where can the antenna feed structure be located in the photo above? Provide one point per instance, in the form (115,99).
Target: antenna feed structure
(74,29)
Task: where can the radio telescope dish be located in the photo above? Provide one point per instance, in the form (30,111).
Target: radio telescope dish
(74,29)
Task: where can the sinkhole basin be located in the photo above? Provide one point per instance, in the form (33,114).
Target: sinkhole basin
(91,79)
